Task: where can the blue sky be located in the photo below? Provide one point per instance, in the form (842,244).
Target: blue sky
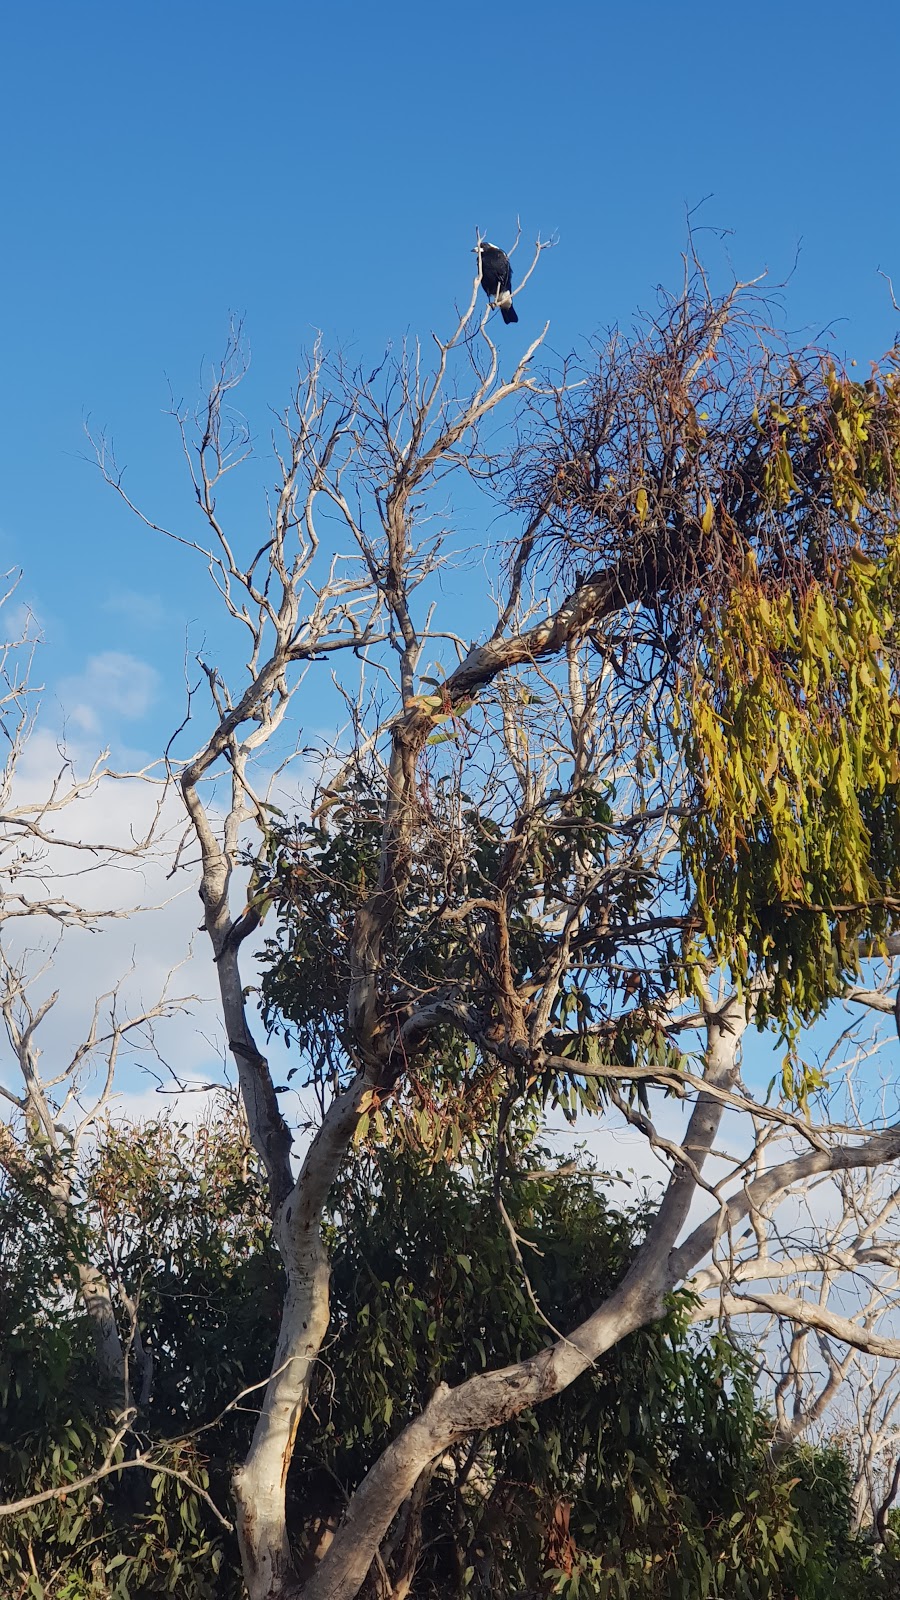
(326,167)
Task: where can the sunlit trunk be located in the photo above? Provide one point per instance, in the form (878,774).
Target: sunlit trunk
(259,1484)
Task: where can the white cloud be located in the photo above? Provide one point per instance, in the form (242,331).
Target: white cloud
(156,945)
(113,684)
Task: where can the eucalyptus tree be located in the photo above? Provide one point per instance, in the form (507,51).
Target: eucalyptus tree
(631,795)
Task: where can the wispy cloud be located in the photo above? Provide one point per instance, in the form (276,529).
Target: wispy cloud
(140,609)
(113,683)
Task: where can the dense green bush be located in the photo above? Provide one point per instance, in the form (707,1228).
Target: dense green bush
(648,1478)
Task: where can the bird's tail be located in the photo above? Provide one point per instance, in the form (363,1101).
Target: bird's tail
(509,313)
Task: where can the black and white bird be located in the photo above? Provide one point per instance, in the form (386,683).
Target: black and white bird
(496,278)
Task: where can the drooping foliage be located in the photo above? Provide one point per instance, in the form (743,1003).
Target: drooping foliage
(794,743)
(748,498)
(793,837)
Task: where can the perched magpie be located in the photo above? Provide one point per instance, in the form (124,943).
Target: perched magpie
(496,278)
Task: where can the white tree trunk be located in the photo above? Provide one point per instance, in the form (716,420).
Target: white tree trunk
(259,1484)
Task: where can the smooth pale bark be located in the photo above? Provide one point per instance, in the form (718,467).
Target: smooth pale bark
(873,1151)
(811,1315)
(296,1204)
(268,1130)
(260,1483)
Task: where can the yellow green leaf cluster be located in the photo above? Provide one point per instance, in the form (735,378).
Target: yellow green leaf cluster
(860,456)
(792,742)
